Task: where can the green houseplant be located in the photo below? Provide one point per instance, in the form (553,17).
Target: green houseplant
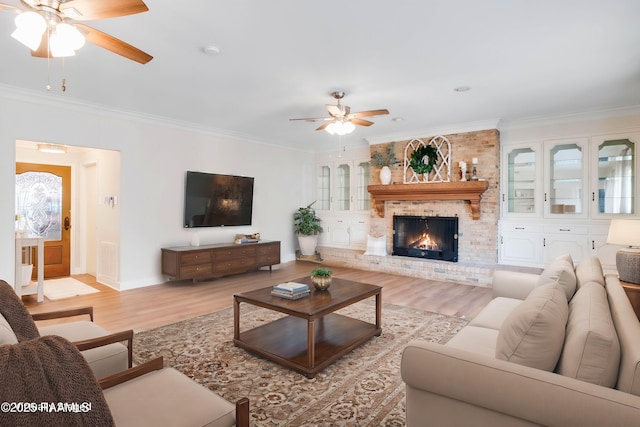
(306,225)
(321,278)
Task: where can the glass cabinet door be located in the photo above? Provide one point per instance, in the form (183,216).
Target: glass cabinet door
(362,181)
(343,187)
(616,177)
(521,181)
(566,178)
(323,190)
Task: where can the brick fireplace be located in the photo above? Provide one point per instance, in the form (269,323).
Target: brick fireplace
(477,220)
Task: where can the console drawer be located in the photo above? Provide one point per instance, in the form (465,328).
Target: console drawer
(197,270)
(238,264)
(195,257)
(235,253)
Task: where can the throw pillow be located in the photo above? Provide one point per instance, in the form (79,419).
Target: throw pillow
(7,336)
(376,246)
(560,271)
(533,333)
(591,349)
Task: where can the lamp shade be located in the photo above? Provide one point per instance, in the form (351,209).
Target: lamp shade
(624,232)
(29,29)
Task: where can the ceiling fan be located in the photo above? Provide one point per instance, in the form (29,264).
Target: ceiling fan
(342,120)
(50,28)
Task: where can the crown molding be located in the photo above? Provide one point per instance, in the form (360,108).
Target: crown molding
(541,121)
(55,100)
(442,130)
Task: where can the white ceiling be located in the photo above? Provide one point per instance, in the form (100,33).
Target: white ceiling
(281,59)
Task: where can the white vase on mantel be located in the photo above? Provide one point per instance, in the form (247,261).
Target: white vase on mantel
(385,175)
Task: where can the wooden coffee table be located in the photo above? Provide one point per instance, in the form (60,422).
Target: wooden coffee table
(312,336)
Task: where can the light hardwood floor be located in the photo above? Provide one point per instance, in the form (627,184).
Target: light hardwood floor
(151,306)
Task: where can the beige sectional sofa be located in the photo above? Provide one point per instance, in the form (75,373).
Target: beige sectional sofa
(557,349)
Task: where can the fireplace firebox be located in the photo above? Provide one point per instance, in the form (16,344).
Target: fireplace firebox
(431,237)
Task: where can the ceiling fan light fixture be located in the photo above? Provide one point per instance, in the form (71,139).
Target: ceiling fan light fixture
(65,40)
(340,127)
(29,29)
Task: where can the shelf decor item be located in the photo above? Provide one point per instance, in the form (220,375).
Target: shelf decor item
(384,160)
(427,161)
(321,278)
(626,232)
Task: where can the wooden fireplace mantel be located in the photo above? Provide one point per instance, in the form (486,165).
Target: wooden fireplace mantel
(458,190)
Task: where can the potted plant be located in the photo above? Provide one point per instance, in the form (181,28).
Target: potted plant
(384,160)
(307,227)
(321,278)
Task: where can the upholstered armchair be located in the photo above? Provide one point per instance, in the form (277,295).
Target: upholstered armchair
(50,371)
(104,351)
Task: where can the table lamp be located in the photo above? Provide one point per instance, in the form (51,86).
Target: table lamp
(626,232)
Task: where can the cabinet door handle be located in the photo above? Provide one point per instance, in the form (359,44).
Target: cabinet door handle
(544,242)
(565,229)
(593,245)
(502,240)
(503,197)
(519,228)
(545,197)
(593,196)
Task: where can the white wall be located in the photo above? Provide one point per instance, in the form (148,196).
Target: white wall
(154,159)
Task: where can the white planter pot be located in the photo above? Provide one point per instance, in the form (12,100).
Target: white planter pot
(385,175)
(308,244)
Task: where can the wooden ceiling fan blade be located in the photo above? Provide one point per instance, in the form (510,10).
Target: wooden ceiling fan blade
(334,110)
(43,49)
(360,122)
(314,119)
(370,113)
(114,45)
(84,10)
(324,125)
(9,7)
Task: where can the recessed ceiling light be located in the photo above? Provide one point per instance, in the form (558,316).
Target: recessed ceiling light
(397,119)
(211,50)
(462,89)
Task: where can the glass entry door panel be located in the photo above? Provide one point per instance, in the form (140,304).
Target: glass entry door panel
(43,209)
(616,177)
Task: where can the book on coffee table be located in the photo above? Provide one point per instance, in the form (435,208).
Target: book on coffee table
(290,295)
(291,287)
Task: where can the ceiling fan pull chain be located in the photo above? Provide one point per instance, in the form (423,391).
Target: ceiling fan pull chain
(64,80)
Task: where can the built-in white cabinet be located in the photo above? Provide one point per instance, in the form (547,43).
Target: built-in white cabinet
(558,196)
(342,187)
(343,203)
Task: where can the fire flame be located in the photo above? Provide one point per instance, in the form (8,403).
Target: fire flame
(425,242)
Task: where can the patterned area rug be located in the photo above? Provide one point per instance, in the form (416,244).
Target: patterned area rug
(363,388)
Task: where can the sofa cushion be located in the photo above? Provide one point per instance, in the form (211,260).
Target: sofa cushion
(7,336)
(476,339)
(561,271)
(495,313)
(152,400)
(533,334)
(104,360)
(591,349)
(589,270)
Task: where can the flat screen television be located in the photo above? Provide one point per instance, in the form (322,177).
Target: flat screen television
(213,200)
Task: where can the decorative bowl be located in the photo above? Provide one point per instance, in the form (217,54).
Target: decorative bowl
(321,283)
